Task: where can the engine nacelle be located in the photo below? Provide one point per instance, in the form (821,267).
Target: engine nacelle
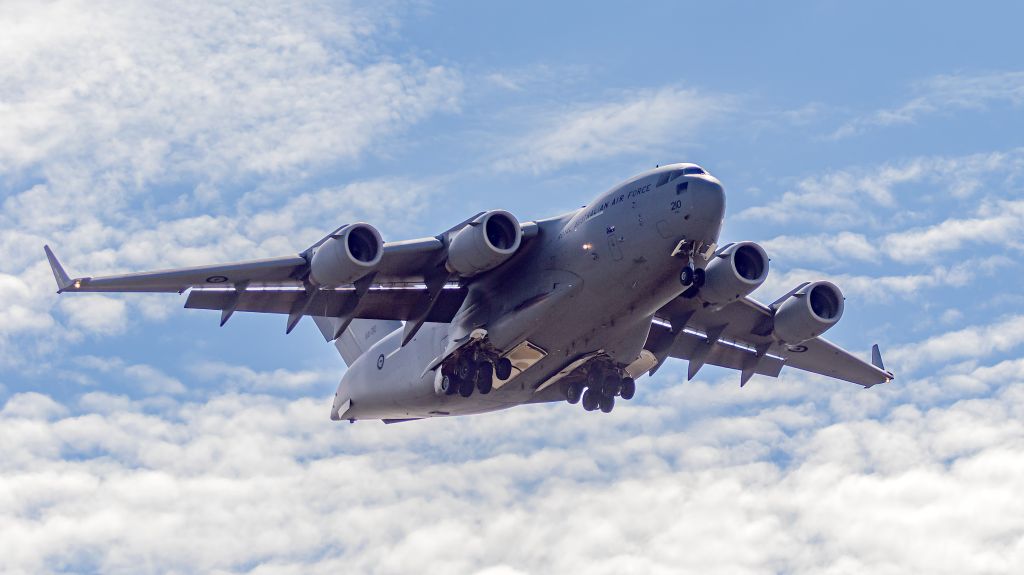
(348,255)
(484,244)
(734,272)
(808,313)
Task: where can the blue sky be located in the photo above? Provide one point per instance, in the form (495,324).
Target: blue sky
(876,145)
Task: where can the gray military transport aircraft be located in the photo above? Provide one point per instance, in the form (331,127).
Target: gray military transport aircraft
(495,313)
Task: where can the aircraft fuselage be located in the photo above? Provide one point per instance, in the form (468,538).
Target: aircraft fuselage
(587,287)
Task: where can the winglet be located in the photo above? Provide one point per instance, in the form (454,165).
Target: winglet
(876,357)
(63,281)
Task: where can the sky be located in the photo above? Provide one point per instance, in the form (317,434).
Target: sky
(874,144)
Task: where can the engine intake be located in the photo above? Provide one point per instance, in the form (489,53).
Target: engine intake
(809,312)
(484,244)
(348,255)
(734,272)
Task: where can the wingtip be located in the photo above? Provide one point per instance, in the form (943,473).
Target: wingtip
(61,276)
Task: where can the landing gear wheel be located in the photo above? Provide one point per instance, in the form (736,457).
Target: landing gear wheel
(574,392)
(465,369)
(698,277)
(591,399)
(594,379)
(612,385)
(607,403)
(503,368)
(484,378)
(628,388)
(466,387)
(448,385)
(686,276)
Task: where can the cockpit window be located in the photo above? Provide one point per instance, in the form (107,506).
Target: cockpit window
(669,176)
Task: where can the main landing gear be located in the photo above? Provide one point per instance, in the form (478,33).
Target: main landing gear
(473,371)
(598,389)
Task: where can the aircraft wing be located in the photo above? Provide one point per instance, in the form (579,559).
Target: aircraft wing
(402,262)
(410,283)
(738,336)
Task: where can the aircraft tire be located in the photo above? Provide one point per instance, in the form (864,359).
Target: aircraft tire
(465,369)
(503,368)
(612,385)
(484,378)
(574,392)
(607,403)
(466,387)
(449,385)
(591,399)
(628,388)
(699,276)
(686,276)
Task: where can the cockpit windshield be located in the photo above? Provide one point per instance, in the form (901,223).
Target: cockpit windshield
(687,171)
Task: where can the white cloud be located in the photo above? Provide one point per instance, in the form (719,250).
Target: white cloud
(142,376)
(107,107)
(973,342)
(157,91)
(860,196)
(94,313)
(255,483)
(945,93)
(821,248)
(599,131)
(228,376)
(996,223)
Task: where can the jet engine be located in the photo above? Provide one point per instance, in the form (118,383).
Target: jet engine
(352,252)
(484,244)
(809,312)
(734,272)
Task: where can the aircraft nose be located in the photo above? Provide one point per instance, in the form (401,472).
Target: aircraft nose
(708,200)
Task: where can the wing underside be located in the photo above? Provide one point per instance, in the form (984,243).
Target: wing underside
(381,303)
(738,336)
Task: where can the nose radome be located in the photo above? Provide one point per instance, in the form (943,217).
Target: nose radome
(708,199)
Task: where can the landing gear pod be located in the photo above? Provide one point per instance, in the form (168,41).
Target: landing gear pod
(348,255)
(808,313)
(484,244)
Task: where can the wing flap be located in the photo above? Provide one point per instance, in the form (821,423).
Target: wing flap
(723,353)
(381,303)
